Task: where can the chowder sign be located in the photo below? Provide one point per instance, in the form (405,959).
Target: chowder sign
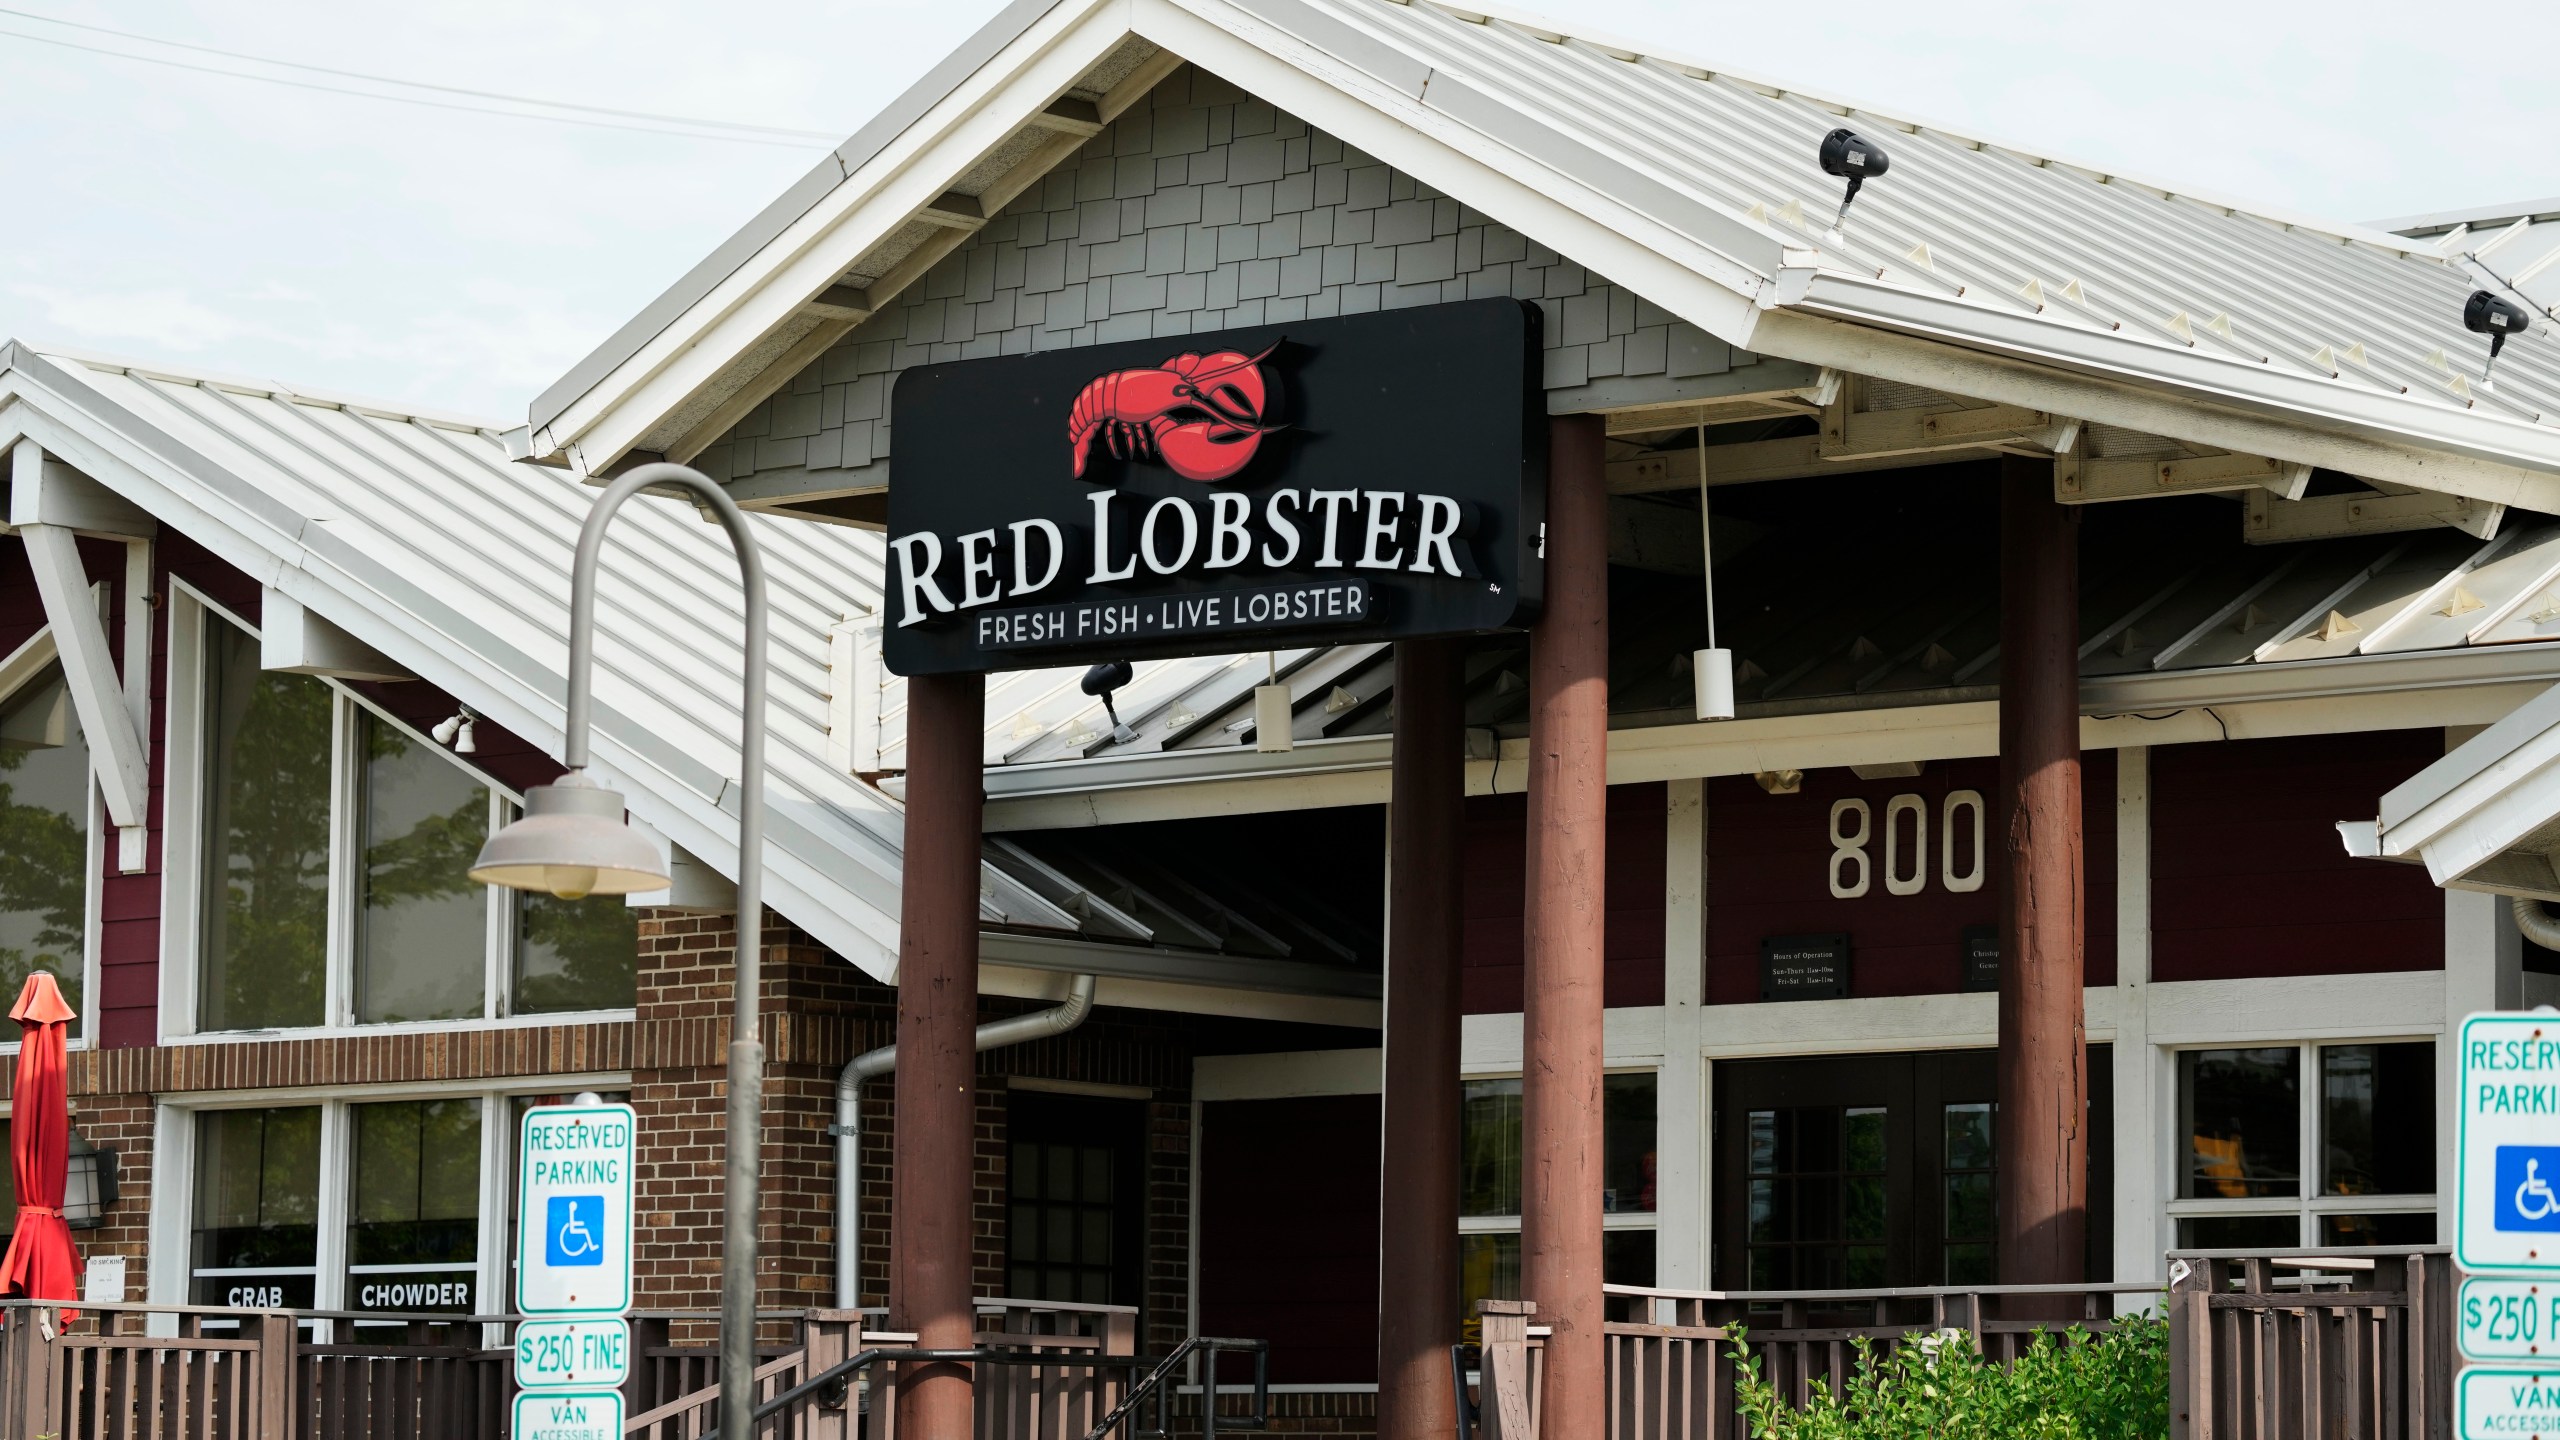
(1366,478)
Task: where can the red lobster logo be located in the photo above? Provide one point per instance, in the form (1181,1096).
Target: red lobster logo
(1202,415)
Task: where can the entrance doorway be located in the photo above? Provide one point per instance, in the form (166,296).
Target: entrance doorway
(1866,1171)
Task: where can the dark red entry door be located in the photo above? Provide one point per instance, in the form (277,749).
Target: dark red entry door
(1860,1171)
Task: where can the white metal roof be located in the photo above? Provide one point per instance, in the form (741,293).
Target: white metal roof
(2039,281)
(415,533)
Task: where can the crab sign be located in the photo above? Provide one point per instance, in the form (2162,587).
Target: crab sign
(1203,416)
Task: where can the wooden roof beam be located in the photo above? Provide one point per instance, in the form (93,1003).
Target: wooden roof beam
(2091,480)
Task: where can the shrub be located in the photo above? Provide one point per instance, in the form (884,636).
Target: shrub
(2112,1386)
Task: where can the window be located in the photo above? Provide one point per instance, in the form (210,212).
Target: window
(266,840)
(401,1204)
(1489,1143)
(413,1206)
(257,1208)
(45,865)
(2295,1145)
(1074,1181)
(335,844)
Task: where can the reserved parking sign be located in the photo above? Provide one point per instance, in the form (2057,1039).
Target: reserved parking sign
(573,1210)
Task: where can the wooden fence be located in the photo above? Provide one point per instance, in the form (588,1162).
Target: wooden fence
(259,1375)
(2345,1345)
(2351,1343)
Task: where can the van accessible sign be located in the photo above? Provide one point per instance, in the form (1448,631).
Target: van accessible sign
(1366,477)
(2507,1206)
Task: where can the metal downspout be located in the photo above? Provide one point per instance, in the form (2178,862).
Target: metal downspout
(2539,925)
(994,1035)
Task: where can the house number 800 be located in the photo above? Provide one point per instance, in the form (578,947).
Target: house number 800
(1906,861)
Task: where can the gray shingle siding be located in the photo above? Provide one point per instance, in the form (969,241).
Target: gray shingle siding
(1201,210)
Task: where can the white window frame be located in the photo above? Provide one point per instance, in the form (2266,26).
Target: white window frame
(174,1163)
(183,846)
(2307,1204)
(32,658)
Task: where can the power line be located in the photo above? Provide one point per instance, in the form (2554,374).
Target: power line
(704,129)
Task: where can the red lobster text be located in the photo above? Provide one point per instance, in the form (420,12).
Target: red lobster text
(1202,415)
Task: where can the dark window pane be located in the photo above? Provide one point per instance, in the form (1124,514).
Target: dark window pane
(1969,1137)
(1627,1142)
(2240,1232)
(257,1202)
(1488,1269)
(1970,1215)
(1866,1140)
(1489,1145)
(575,954)
(1626,1257)
(1970,1265)
(266,838)
(424,931)
(2243,1122)
(1489,1149)
(2408,1227)
(8,1182)
(413,1202)
(2378,1119)
(44,838)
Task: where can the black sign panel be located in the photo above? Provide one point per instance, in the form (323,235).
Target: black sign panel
(1804,967)
(1981,959)
(1363,478)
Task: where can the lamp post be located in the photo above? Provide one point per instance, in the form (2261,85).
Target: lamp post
(572,842)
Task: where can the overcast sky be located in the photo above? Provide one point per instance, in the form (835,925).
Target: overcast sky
(463,261)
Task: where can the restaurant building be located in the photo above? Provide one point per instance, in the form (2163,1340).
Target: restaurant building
(2081,550)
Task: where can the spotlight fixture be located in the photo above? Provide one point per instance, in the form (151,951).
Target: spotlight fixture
(1099,682)
(1855,158)
(455,730)
(2496,317)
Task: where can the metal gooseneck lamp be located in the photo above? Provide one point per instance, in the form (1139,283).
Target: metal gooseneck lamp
(573,842)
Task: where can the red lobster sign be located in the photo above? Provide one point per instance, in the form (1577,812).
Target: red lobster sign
(1202,415)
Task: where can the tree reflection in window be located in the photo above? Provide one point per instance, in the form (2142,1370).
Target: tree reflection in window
(425,923)
(575,954)
(44,837)
(266,838)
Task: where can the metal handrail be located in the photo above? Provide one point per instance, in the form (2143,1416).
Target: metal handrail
(839,1377)
(1462,1357)
(1211,1347)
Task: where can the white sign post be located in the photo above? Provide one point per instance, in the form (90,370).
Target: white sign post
(573,1270)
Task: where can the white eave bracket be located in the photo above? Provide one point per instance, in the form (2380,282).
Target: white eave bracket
(50,506)
(291,638)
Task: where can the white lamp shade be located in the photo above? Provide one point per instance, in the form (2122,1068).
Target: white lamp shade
(1713,672)
(572,843)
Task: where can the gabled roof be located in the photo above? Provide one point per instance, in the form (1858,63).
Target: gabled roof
(413,533)
(1972,267)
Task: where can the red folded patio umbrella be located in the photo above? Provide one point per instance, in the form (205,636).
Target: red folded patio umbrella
(41,1264)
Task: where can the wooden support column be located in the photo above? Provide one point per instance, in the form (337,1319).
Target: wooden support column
(930,1215)
(1567,859)
(1418,1130)
(2044,1082)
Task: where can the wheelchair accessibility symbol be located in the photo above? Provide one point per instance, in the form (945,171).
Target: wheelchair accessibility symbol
(2526,1197)
(573,1228)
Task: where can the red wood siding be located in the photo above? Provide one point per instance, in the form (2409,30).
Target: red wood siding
(1769,873)
(1497,865)
(2248,878)
(1288,1209)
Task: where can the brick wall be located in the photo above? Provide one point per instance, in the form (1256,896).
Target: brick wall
(819,1012)
(1202,209)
